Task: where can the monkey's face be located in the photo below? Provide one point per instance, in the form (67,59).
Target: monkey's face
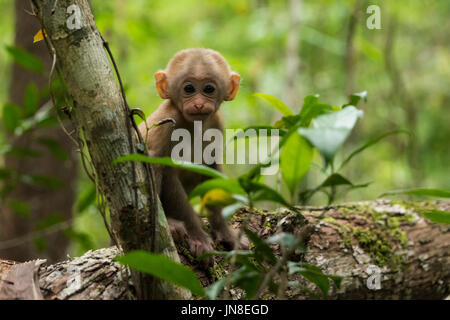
(198,99)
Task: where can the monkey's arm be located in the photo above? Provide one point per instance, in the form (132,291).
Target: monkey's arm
(176,205)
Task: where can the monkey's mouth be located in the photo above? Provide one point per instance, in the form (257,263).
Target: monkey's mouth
(198,115)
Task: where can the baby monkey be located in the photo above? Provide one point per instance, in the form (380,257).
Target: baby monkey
(193,86)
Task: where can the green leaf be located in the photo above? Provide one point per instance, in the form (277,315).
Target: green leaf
(331,130)
(314,275)
(336,279)
(228,211)
(20,207)
(25,59)
(83,239)
(261,249)
(295,161)
(21,152)
(31,99)
(229,185)
(214,289)
(41,180)
(164,268)
(319,279)
(285,239)
(49,221)
(287,122)
(248,279)
(355,98)
(312,109)
(54,147)
(438,193)
(276,103)
(86,199)
(167,161)
(11,115)
(262,192)
(437,216)
(371,143)
(335,180)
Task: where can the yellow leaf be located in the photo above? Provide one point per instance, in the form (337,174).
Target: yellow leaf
(217,197)
(40,35)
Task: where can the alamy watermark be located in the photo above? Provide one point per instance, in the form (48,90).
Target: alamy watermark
(262,147)
(374,20)
(374,280)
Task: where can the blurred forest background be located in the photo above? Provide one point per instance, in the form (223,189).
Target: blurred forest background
(289,49)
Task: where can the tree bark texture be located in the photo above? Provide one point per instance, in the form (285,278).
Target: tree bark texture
(412,255)
(103,117)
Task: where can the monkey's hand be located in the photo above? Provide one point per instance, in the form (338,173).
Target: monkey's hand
(197,244)
(230,240)
(200,244)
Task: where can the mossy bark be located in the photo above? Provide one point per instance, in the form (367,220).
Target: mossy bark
(347,240)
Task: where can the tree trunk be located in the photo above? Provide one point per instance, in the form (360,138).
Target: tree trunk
(347,241)
(101,113)
(42,201)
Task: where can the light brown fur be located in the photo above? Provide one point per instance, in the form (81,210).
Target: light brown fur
(198,67)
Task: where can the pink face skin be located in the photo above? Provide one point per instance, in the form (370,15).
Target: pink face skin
(199,98)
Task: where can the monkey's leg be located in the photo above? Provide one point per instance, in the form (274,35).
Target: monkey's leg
(176,205)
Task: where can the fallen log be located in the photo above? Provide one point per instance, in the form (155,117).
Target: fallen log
(382,250)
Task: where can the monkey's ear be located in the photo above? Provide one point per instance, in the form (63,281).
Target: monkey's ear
(161,84)
(234,86)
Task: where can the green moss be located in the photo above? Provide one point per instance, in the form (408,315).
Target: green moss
(417,206)
(217,272)
(375,244)
(380,241)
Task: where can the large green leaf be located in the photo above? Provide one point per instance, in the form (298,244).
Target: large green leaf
(312,109)
(26,59)
(31,99)
(439,193)
(295,161)
(331,130)
(314,275)
(336,179)
(52,183)
(437,216)
(167,161)
(276,103)
(215,288)
(20,207)
(228,211)
(11,115)
(164,268)
(86,198)
(262,250)
(262,192)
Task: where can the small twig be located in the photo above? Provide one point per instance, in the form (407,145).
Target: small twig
(149,172)
(30,236)
(54,7)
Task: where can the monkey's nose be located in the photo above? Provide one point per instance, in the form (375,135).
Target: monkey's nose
(198,106)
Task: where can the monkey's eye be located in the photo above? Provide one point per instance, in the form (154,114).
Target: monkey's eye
(189,88)
(208,89)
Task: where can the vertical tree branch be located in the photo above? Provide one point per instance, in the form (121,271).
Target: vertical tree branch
(102,113)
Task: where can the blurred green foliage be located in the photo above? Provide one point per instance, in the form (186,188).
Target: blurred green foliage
(405,67)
